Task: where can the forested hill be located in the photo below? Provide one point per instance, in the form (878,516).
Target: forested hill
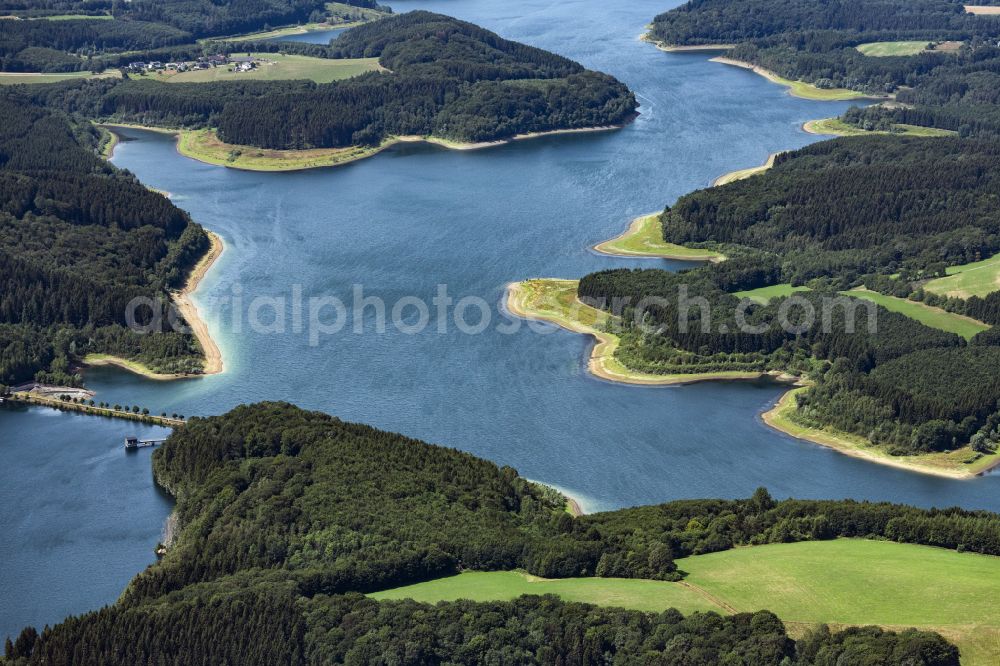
(447,78)
(885,213)
(733,21)
(284,515)
(78,240)
(817,42)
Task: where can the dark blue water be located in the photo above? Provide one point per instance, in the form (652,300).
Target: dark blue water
(79,516)
(314,37)
(410,219)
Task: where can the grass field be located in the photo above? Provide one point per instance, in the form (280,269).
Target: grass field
(837,127)
(555,301)
(12,78)
(320,70)
(764,295)
(644,238)
(883,49)
(646,595)
(925,314)
(975,279)
(842,582)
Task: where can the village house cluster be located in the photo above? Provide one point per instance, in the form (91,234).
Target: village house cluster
(236,63)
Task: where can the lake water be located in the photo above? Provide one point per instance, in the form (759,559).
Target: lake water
(313,37)
(402,223)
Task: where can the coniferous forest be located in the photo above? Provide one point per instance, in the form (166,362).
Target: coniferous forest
(79,240)
(285,515)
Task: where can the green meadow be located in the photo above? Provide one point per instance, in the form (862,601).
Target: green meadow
(925,314)
(975,279)
(647,595)
(280,67)
(841,582)
(883,49)
(763,295)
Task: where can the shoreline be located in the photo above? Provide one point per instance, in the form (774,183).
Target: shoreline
(741,174)
(615,247)
(778,418)
(601,362)
(188,309)
(800,89)
(213,363)
(204,146)
(676,48)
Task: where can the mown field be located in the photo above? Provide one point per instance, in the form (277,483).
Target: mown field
(885,49)
(763,295)
(925,314)
(13,78)
(320,70)
(975,279)
(842,582)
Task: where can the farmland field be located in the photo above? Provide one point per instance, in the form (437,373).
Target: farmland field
(842,582)
(280,66)
(975,279)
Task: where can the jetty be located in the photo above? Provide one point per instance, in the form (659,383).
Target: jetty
(136,443)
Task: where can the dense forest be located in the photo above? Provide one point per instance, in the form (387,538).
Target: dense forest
(882,212)
(447,78)
(285,515)
(816,42)
(79,240)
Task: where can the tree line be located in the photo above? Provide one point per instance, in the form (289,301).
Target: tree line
(285,515)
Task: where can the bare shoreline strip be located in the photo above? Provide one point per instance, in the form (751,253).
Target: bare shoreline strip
(605,344)
(612,248)
(187,308)
(676,48)
(740,174)
(359,153)
(788,83)
(777,418)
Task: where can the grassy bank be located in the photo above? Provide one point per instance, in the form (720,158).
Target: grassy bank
(837,127)
(951,464)
(798,88)
(976,279)
(555,301)
(842,582)
(644,238)
(967,327)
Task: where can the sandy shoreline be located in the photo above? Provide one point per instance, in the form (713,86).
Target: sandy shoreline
(740,174)
(187,308)
(674,48)
(776,418)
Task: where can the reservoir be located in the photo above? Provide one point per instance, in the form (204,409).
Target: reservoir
(80,517)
